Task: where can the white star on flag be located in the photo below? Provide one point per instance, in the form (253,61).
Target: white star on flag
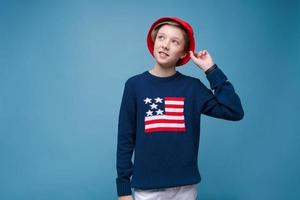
(153,106)
(149,113)
(159,112)
(158,100)
(147,100)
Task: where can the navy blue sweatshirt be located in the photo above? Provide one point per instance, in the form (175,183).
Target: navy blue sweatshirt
(159,121)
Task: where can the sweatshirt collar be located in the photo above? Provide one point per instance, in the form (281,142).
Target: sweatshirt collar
(162,79)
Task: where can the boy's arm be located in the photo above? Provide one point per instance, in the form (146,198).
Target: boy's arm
(126,141)
(224,103)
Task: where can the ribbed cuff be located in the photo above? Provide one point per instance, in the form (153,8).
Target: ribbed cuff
(123,188)
(216,77)
(211,69)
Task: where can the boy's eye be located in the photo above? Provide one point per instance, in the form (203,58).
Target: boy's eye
(160,37)
(176,42)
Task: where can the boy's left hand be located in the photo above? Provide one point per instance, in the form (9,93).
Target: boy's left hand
(202,59)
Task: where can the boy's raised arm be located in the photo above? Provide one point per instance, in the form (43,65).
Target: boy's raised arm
(126,141)
(224,103)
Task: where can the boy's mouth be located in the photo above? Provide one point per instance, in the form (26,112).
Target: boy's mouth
(163,53)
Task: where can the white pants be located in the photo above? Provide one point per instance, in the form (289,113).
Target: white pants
(186,192)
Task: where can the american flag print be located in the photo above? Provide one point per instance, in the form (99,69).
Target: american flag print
(164,114)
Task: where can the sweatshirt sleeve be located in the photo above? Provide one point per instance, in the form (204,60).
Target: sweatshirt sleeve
(126,141)
(224,103)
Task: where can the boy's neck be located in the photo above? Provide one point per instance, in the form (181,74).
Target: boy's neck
(160,71)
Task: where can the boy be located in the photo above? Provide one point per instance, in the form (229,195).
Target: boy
(160,117)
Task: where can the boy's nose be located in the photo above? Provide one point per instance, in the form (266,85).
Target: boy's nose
(165,45)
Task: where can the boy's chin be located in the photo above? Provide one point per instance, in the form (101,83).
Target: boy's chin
(165,64)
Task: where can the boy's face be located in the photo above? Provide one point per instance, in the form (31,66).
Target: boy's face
(169,45)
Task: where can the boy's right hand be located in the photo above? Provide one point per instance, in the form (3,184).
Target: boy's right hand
(128,197)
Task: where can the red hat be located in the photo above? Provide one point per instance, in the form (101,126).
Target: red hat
(186,26)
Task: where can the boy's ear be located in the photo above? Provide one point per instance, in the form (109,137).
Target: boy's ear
(181,57)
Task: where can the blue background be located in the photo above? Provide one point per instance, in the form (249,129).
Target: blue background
(63,65)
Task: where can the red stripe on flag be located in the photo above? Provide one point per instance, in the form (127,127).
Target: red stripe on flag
(173,106)
(154,121)
(174,98)
(174,113)
(164,129)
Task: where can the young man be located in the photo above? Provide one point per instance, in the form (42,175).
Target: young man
(160,116)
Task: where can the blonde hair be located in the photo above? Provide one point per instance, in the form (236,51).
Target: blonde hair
(172,23)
